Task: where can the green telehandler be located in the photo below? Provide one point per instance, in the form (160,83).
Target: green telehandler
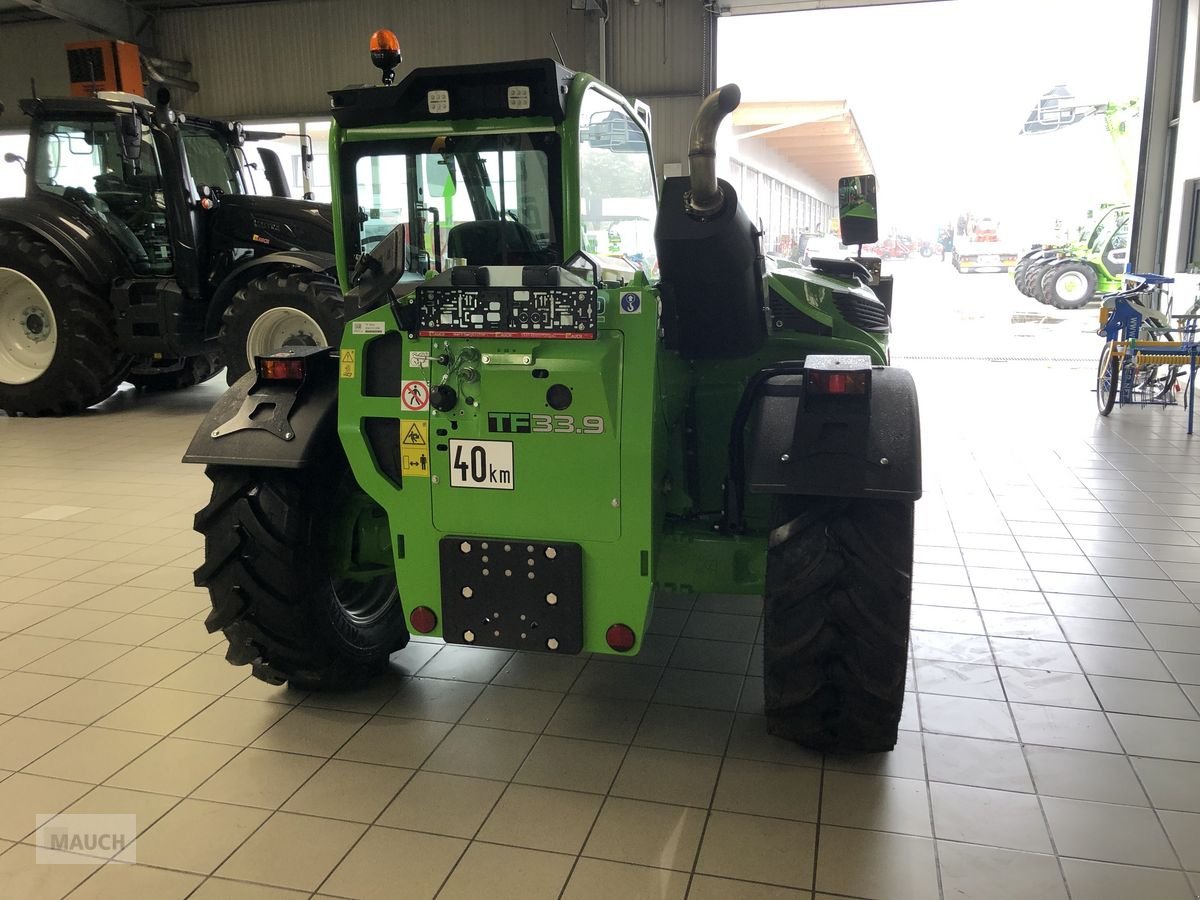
(1070,276)
(517,443)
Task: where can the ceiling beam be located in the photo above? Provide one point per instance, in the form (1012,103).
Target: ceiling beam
(112,18)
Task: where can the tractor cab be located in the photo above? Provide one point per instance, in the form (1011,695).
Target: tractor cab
(155,213)
(523,166)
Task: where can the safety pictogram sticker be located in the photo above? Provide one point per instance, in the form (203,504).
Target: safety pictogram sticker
(631,302)
(348,364)
(414,448)
(415,396)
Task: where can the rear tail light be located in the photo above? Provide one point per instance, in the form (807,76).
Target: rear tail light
(837,382)
(835,376)
(279,368)
(620,638)
(423,619)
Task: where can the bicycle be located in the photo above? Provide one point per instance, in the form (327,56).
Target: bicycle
(1141,359)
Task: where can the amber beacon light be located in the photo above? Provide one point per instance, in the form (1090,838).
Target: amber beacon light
(385,53)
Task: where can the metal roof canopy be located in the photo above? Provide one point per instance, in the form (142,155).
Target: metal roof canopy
(818,137)
(752,7)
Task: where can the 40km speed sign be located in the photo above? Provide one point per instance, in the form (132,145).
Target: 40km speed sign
(481,464)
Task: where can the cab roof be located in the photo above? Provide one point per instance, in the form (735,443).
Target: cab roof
(521,89)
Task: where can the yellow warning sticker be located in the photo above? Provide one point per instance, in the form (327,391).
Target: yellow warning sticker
(414,448)
(348,364)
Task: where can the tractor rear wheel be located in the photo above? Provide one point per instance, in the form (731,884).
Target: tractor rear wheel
(299,572)
(280,309)
(835,639)
(1069,284)
(58,338)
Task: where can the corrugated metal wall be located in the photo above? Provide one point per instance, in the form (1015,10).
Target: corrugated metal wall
(657,52)
(274,59)
(279,59)
(34,50)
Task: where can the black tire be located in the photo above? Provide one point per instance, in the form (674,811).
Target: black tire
(835,640)
(1019,276)
(315,294)
(87,365)
(1107,379)
(195,370)
(1068,272)
(267,571)
(1033,277)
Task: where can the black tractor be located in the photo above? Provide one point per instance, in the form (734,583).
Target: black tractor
(140,253)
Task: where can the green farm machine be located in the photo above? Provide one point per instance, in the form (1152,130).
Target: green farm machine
(1072,275)
(517,443)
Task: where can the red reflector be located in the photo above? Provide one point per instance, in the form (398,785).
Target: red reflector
(826,381)
(280,368)
(423,619)
(620,637)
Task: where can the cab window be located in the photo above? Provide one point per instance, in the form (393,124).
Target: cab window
(616,183)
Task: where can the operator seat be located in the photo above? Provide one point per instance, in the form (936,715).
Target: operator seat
(488,242)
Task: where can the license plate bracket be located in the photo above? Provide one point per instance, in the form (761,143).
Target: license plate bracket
(489,598)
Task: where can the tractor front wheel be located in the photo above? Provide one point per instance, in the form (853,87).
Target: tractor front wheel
(58,338)
(298,568)
(279,310)
(835,639)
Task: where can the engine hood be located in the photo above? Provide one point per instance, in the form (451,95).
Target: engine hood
(273,223)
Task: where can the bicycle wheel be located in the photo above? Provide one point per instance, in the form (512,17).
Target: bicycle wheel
(1107,379)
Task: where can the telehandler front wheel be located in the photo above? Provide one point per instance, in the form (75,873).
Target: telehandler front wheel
(298,568)
(835,640)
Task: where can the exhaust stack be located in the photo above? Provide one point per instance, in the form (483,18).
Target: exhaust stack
(706,199)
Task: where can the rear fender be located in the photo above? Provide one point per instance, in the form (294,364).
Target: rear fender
(239,276)
(842,447)
(274,425)
(67,229)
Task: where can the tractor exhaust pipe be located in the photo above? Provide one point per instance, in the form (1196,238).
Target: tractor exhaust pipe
(706,198)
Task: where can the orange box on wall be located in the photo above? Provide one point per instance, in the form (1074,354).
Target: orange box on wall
(96,66)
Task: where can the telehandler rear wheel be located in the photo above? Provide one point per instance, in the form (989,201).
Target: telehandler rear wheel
(835,641)
(298,568)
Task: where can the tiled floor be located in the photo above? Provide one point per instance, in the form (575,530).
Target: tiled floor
(1051,742)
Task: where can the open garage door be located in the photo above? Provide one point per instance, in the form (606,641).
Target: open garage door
(749,7)
(999,136)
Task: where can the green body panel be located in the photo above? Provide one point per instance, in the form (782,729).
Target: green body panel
(642,496)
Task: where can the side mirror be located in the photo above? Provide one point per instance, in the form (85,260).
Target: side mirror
(858,214)
(273,170)
(376,273)
(129,135)
(13,158)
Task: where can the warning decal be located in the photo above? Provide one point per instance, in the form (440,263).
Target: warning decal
(415,396)
(348,364)
(414,449)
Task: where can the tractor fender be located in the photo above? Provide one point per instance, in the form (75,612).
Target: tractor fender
(851,447)
(69,231)
(273,425)
(240,275)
